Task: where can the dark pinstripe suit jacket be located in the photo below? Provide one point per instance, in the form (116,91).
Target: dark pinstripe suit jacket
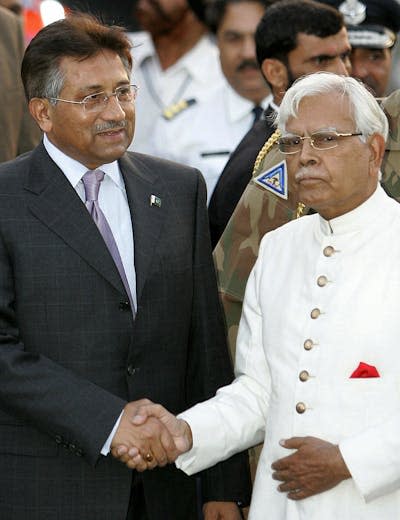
(71,355)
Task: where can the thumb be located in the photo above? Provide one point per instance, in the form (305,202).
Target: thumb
(146,411)
(293,443)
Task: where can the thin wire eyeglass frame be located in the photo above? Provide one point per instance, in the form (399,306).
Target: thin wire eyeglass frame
(103,99)
(312,138)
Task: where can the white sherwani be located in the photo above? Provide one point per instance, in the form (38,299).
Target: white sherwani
(322,297)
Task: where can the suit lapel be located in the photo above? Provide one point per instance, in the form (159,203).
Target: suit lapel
(147,218)
(55,203)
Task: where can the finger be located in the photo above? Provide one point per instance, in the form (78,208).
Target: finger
(291,486)
(282,476)
(133,452)
(298,494)
(137,463)
(292,443)
(281,464)
(168,444)
(121,450)
(118,451)
(155,430)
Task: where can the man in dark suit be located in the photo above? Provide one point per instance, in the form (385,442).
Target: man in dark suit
(18,131)
(101,305)
(294,37)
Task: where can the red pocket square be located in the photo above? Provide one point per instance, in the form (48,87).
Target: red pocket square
(365,370)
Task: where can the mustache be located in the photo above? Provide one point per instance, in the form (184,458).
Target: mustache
(303,173)
(110,125)
(248,64)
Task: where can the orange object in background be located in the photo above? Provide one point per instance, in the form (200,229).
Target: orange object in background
(32,23)
(37,13)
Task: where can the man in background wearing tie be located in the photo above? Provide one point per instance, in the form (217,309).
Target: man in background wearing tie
(107,296)
(203,132)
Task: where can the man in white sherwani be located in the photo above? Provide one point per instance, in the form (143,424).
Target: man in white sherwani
(318,357)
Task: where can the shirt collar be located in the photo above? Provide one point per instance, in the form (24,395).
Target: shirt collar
(238,106)
(195,61)
(359,218)
(143,47)
(74,170)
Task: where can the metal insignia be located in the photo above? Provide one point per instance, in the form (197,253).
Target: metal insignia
(155,201)
(353,11)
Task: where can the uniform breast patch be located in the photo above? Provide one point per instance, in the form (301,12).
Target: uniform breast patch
(274,180)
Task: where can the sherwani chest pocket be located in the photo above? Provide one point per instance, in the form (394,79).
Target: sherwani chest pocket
(357,404)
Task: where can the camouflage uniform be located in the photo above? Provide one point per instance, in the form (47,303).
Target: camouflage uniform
(257,212)
(260,211)
(391,161)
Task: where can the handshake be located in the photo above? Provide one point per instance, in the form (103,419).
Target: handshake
(149,436)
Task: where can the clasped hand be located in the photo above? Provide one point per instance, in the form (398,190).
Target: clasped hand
(149,436)
(315,466)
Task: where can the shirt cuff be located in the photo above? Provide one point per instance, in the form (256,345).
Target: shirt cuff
(105,450)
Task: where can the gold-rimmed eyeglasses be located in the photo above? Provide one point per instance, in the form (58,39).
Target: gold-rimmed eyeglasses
(98,101)
(324,140)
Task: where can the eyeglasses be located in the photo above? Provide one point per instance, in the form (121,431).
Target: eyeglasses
(291,143)
(97,102)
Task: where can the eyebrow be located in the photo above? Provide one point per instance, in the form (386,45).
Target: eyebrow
(100,88)
(326,57)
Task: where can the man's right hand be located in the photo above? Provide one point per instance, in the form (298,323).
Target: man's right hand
(149,439)
(148,413)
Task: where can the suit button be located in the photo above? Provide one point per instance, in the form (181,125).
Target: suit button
(328,251)
(304,376)
(308,344)
(79,452)
(131,370)
(300,407)
(322,281)
(124,306)
(58,439)
(315,313)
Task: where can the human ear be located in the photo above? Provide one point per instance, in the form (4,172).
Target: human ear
(376,144)
(276,74)
(40,110)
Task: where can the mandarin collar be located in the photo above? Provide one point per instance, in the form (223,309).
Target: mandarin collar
(357,219)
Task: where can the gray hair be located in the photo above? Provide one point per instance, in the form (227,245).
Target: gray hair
(50,85)
(368,115)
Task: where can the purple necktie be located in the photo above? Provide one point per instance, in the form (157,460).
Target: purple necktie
(91,180)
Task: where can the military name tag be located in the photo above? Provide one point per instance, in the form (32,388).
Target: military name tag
(274,180)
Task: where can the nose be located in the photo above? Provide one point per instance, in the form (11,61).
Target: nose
(307,154)
(342,66)
(347,65)
(249,48)
(359,70)
(113,109)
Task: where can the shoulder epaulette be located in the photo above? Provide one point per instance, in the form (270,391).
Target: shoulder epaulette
(177,108)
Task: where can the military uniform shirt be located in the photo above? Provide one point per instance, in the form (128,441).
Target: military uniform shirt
(205,133)
(193,75)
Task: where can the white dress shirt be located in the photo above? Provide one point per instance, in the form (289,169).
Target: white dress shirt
(192,76)
(347,271)
(206,133)
(114,204)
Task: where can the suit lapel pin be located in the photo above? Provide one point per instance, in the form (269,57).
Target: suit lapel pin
(155,201)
